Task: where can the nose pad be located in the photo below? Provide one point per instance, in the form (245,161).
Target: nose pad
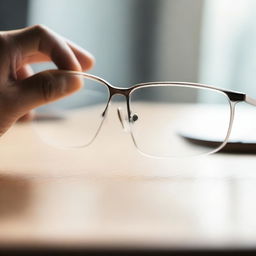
(134,118)
(123,120)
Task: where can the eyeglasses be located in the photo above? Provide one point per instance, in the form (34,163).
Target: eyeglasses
(164,119)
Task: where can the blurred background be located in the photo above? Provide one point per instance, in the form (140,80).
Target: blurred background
(147,40)
(209,201)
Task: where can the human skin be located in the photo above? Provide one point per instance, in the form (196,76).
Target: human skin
(20,89)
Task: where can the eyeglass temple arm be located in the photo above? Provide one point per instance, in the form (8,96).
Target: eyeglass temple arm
(250,100)
(238,97)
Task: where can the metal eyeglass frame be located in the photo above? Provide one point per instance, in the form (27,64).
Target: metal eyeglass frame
(233,97)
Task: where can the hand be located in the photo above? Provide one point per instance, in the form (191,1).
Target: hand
(20,89)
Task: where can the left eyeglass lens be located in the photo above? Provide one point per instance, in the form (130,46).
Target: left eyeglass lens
(74,120)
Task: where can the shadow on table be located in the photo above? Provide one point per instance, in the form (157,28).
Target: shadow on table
(14,196)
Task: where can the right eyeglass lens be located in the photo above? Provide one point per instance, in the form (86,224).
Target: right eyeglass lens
(74,120)
(179,121)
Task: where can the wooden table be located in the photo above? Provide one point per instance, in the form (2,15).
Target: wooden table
(69,199)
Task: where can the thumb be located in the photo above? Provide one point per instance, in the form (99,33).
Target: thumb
(45,87)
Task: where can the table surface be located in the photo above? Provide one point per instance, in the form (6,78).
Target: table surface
(87,198)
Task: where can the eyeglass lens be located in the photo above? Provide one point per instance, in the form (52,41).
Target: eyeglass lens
(179,120)
(75,120)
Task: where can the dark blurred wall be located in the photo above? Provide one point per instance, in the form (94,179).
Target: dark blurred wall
(13,14)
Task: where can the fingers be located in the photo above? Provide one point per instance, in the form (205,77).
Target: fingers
(37,57)
(23,73)
(86,60)
(39,39)
(43,88)
(27,117)
(65,55)
(22,91)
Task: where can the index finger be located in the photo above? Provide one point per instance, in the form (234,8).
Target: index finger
(85,59)
(41,39)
